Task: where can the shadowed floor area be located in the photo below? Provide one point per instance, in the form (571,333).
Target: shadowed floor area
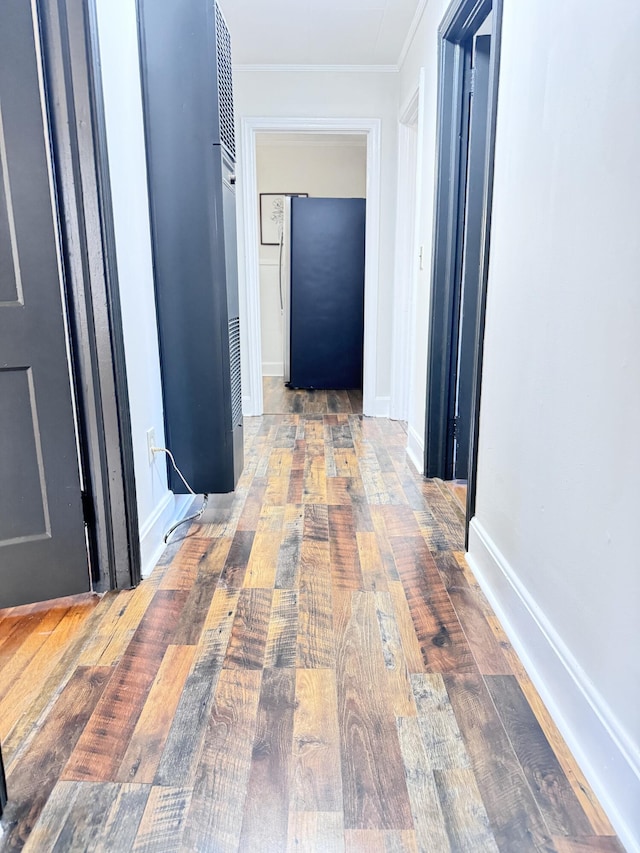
(279,399)
(312,667)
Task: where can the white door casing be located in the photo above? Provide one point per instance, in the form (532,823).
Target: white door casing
(250,263)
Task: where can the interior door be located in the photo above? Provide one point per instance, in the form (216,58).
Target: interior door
(327,292)
(471,253)
(42,539)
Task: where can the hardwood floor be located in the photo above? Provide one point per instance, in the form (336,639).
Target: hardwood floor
(280,400)
(312,667)
(458,489)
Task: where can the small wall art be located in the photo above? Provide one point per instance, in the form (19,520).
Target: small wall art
(272,216)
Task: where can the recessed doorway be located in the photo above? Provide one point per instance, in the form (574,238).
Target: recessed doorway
(467,98)
(363,134)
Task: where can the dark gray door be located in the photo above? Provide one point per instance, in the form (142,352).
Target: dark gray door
(42,542)
(471,252)
(327,292)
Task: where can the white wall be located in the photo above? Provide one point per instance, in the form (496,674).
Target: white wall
(157,507)
(559,455)
(322,168)
(423,55)
(553,541)
(336,94)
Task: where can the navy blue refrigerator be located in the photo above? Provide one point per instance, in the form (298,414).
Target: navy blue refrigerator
(323,292)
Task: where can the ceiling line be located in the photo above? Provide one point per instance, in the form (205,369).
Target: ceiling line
(356,69)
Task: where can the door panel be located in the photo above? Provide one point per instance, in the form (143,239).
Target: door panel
(327,292)
(42,542)
(471,254)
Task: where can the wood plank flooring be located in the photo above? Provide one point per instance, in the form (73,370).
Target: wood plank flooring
(311,667)
(278,399)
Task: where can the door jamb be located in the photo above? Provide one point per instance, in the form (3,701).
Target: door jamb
(250,282)
(77,119)
(406,265)
(459,24)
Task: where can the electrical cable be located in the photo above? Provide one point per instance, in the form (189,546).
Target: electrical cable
(197,514)
(280,271)
(193,517)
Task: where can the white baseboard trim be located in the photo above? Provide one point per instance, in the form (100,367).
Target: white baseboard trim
(272,368)
(170,509)
(380,408)
(415,448)
(604,752)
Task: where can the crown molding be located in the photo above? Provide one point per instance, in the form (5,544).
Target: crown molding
(327,69)
(415,23)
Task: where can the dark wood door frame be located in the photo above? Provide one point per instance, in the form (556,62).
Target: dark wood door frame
(79,152)
(455,37)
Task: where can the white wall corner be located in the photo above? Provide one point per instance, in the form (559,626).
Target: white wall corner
(607,758)
(171,508)
(415,448)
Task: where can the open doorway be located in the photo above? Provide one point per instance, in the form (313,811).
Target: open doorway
(469,50)
(312,195)
(367,129)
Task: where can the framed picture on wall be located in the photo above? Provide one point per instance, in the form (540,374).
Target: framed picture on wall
(272,216)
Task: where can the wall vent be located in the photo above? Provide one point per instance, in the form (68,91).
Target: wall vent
(236,381)
(225,84)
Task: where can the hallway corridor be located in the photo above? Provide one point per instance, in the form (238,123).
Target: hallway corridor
(311,667)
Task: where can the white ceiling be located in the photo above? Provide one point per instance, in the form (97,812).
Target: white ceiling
(318,32)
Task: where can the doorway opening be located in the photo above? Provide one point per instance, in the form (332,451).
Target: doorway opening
(354,132)
(311,251)
(469,53)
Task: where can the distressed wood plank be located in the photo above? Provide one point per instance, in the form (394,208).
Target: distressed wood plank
(248,641)
(182,572)
(427,814)
(143,754)
(265,820)
(592,844)
(442,642)
(163,820)
(33,778)
(515,818)
(484,646)
(343,549)
(182,749)
(121,822)
(197,605)
(380,841)
(289,553)
(235,565)
(318,831)
(395,679)
(225,763)
(465,816)
(374,577)
(441,735)
(263,561)
(408,636)
(315,641)
(47,829)
(25,691)
(86,816)
(374,786)
(103,743)
(553,793)
(316,775)
(283,630)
